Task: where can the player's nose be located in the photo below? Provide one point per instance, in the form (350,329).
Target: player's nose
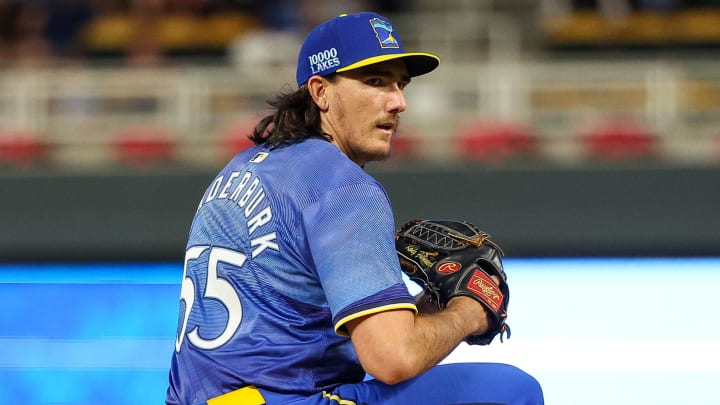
(397,102)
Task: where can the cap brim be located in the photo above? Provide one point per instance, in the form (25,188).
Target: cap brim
(418,63)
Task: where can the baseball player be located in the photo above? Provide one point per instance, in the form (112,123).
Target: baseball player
(292,290)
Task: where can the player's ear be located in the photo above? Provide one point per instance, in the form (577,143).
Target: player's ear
(317,87)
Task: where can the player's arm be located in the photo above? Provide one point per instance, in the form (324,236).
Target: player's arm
(396,345)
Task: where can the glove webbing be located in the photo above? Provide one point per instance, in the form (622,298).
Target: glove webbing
(446,239)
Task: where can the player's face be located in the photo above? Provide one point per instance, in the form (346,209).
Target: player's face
(363,109)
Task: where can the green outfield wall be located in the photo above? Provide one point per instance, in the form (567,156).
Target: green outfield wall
(530,212)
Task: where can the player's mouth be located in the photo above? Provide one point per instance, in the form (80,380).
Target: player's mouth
(388,127)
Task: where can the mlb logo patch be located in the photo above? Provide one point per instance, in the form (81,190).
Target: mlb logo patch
(259,157)
(384,33)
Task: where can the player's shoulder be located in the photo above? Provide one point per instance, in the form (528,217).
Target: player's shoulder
(328,162)
(314,148)
(314,167)
(318,157)
(311,162)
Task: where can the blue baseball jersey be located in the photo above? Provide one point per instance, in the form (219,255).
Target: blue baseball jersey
(286,247)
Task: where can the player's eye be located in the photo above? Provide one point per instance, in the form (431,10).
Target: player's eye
(375,81)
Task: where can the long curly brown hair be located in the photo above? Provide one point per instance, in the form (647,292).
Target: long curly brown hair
(295,117)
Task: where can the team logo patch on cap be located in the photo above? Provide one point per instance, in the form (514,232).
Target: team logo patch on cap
(384,33)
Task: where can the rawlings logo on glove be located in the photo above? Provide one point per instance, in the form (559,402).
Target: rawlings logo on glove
(454,258)
(486,289)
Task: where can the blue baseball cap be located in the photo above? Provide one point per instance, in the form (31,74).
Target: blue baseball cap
(351,41)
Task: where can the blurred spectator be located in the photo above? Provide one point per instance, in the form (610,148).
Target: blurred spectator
(611,6)
(659,5)
(144,47)
(42,32)
(579,5)
(64,23)
(148,32)
(21,28)
(258,48)
(284,24)
(313,12)
(9,29)
(389,6)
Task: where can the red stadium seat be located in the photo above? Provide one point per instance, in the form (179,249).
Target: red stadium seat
(496,142)
(405,144)
(619,140)
(22,148)
(235,138)
(144,147)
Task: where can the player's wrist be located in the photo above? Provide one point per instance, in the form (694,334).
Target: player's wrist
(472,312)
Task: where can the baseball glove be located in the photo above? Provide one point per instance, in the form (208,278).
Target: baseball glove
(454,258)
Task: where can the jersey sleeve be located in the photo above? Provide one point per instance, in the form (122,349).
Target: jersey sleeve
(350,232)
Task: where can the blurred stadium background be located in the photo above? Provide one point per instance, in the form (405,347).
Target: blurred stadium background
(574,131)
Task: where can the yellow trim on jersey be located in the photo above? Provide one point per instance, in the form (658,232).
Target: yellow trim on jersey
(337,399)
(340,325)
(243,396)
